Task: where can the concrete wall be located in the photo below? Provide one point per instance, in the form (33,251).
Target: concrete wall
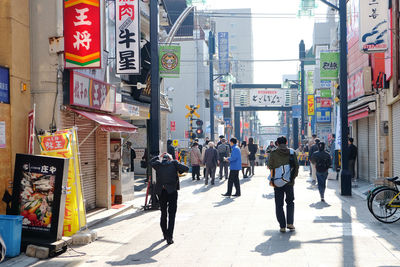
(14,54)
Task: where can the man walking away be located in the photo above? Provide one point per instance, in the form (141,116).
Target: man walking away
(252,155)
(210,160)
(352,158)
(166,189)
(236,165)
(261,157)
(223,152)
(280,157)
(195,160)
(171,149)
(322,161)
(313,149)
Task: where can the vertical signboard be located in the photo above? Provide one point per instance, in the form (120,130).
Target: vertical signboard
(223,91)
(310,82)
(353,22)
(374,25)
(223,52)
(2,134)
(170,61)
(310,105)
(4,85)
(329,65)
(127,33)
(82,34)
(31,130)
(173,126)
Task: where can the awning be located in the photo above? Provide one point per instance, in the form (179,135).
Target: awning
(107,123)
(358,114)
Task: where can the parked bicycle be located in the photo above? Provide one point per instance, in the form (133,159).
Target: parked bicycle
(384,202)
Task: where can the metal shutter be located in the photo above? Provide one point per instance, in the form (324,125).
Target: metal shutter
(396,138)
(87,155)
(362,143)
(372,152)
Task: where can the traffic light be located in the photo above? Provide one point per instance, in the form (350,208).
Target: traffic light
(199,129)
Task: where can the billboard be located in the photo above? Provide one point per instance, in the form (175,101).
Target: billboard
(267,97)
(169,61)
(329,65)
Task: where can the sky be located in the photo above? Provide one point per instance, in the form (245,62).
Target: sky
(275,38)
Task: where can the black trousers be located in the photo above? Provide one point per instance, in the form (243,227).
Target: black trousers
(233,180)
(196,172)
(280,193)
(352,165)
(168,205)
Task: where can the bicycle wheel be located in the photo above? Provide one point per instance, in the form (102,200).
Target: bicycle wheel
(371,195)
(380,208)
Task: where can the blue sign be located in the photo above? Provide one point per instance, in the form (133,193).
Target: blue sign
(223,52)
(323,115)
(4,85)
(228,122)
(218,109)
(296,111)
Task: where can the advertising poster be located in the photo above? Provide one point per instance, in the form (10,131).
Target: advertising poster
(38,196)
(311,105)
(170,61)
(63,144)
(329,65)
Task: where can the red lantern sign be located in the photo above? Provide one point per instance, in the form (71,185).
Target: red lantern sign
(82,35)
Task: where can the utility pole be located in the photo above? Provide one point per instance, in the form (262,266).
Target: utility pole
(211,51)
(302,56)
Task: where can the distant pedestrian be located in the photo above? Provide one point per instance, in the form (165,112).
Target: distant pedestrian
(235,166)
(223,152)
(205,147)
(280,157)
(220,140)
(313,149)
(261,157)
(252,156)
(210,160)
(244,153)
(195,160)
(167,184)
(170,148)
(352,158)
(322,161)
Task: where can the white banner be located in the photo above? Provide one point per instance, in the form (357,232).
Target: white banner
(223,92)
(267,97)
(127,36)
(374,25)
(338,139)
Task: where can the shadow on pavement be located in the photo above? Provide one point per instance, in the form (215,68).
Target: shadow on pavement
(142,257)
(319,205)
(223,202)
(269,196)
(278,243)
(244,180)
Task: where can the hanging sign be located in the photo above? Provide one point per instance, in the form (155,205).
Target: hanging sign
(82,34)
(374,26)
(311,105)
(329,65)
(223,52)
(324,102)
(173,126)
(31,130)
(310,82)
(223,92)
(169,61)
(4,85)
(267,97)
(127,35)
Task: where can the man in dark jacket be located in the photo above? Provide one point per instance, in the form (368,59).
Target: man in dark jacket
(171,149)
(210,160)
(166,189)
(252,156)
(322,161)
(313,149)
(279,157)
(352,157)
(223,152)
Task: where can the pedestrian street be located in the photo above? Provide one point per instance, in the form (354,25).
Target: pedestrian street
(212,230)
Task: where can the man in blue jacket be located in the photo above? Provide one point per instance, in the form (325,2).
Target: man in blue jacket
(235,166)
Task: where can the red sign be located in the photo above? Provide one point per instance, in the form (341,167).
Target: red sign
(90,93)
(186,134)
(54,142)
(173,126)
(355,85)
(324,102)
(82,34)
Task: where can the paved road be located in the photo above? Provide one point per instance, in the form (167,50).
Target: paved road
(216,231)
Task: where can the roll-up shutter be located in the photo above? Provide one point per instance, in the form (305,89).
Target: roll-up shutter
(396,138)
(362,143)
(372,151)
(87,154)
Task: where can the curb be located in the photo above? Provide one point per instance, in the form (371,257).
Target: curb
(103,219)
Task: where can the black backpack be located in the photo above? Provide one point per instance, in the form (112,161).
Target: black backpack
(323,165)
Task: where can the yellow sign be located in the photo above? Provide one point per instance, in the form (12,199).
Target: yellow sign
(175,142)
(311,105)
(192,111)
(63,144)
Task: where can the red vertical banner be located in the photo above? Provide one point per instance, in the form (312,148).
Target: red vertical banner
(173,126)
(82,34)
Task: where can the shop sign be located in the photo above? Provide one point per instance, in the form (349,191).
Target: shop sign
(2,134)
(91,93)
(310,82)
(127,33)
(329,65)
(173,126)
(374,26)
(323,114)
(31,131)
(271,130)
(267,97)
(355,85)
(223,52)
(223,92)
(4,85)
(63,144)
(325,84)
(38,195)
(311,105)
(324,102)
(170,60)
(82,34)
(324,93)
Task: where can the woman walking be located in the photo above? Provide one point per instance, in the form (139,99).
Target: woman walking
(244,153)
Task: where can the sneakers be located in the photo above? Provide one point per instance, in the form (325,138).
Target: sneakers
(291,227)
(282,230)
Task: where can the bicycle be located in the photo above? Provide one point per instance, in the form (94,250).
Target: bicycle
(384,202)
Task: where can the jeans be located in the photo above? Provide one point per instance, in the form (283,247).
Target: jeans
(261,161)
(252,164)
(223,166)
(280,193)
(233,180)
(210,171)
(196,172)
(168,206)
(321,177)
